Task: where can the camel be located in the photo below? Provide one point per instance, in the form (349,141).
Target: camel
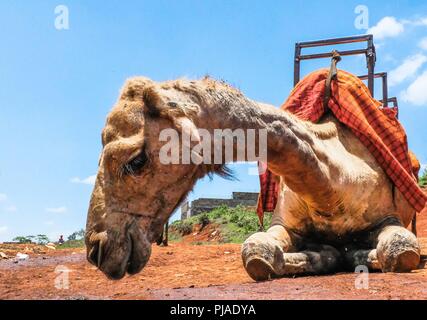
(336,209)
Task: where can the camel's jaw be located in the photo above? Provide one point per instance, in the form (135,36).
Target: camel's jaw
(117,242)
(119,251)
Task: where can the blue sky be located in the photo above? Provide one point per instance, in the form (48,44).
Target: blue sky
(57,86)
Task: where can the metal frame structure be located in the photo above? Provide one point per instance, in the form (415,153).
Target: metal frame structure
(369,52)
(383,76)
(385,100)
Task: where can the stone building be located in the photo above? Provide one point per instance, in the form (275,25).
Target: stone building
(246,199)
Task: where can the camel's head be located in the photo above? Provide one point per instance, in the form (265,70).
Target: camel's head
(135,191)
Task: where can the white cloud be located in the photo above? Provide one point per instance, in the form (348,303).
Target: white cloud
(89,180)
(387,27)
(57,210)
(3,229)
(3,197)
(423,167)
(423,43)
(409,67)
(11,208)
(420,22)
(416,93)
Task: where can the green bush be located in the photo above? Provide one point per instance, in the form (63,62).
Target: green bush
(72,244)
(235,224)
(203,220)
(183,227)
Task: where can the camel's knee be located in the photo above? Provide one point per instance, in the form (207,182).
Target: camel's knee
(259,253)
(397,249)
(264,244)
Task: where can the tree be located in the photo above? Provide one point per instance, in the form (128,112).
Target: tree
(81,233)
(72,237)
(77,235)
(39,239)
(21,239)
(42,239)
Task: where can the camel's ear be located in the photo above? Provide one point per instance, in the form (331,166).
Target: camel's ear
(152,101)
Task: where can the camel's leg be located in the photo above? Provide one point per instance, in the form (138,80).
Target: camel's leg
(265,256)
(397,249)
(324,260)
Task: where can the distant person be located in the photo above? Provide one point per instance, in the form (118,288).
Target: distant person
(61,239)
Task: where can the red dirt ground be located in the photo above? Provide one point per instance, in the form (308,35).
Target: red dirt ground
(186,271)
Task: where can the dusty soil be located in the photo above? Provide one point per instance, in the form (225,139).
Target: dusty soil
(188,271)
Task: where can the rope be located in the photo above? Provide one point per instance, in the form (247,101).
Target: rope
(332,75)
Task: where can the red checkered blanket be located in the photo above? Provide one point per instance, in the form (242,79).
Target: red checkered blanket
(376,127)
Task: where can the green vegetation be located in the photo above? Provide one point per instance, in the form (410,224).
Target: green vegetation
(423,179)
(42,239)
(183,227)
(22,239)
(74,240)
(78,235)
(236,224)
(38,239)
(72,244)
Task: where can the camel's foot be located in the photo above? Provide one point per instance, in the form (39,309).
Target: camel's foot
(264,257)
(397,249)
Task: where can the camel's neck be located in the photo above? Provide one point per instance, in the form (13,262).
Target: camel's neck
(293,150)
(227,108)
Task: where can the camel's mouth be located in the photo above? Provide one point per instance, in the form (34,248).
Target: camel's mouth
(116,253)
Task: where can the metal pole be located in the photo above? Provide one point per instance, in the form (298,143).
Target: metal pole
(297,63)
(385,90)
(370,58)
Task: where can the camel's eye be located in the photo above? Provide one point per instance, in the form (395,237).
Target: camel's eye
(134,166)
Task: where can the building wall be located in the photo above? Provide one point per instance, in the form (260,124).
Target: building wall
(246,199)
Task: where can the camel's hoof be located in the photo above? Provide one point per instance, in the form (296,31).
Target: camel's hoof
(404,262)
(259,269)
